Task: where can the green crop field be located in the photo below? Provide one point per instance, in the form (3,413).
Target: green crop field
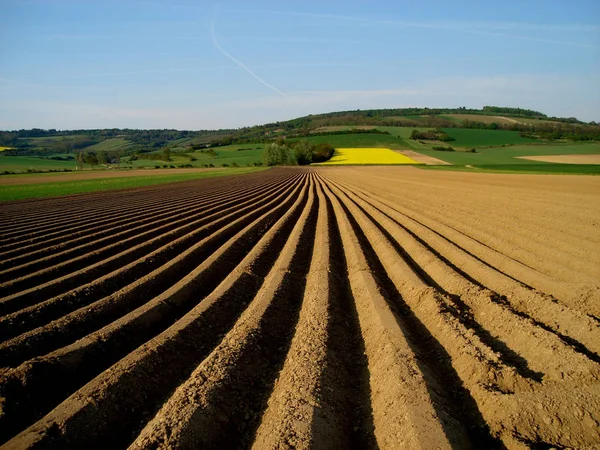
(25,163)
(468,138)
(357,140)
(507,155)
(229,155)
(505,159)
(464,138)
(481,118)
(539,168)
(60,188)
(109,144)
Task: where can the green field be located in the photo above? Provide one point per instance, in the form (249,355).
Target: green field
(61,188)
(507,155)
(108,145)
(464,138)
(229,154)
(24,163)
(356,140)
(467,138)
(225,155)
(539,168)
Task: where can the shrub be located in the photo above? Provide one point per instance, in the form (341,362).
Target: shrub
(323,152)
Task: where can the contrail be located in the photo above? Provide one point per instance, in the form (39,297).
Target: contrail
(239,63)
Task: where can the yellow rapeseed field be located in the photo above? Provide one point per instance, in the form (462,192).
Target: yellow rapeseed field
(360,156)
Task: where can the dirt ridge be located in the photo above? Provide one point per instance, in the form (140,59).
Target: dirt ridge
(306,308)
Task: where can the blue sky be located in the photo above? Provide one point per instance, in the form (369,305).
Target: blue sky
(206,64)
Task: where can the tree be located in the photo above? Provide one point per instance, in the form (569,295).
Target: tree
(101,158)
(167,154)
(303,152)
(80,159)
(91,159)
(278,155)
(323,152)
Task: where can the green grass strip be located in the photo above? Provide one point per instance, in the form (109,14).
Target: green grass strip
(61,188)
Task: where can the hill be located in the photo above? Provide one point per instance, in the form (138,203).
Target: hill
(461,129)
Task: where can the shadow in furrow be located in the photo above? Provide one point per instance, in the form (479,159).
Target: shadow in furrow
(458,308)
(451,400)
(467,276)
(112,240)
(573,343)
(98,263)
(345,376)
(242,399)
(122,275)
(50,380)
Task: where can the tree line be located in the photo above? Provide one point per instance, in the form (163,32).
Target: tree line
(281,153)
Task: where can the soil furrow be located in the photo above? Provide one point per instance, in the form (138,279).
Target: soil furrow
(46,256)
(154,273)
(155,252)
(114,215)
(89,205)
(329,307)
(414,421)
(530,349)
(582,298)
(310,407)
(171,228)
(98,407)
(228,391)
(572,327)
(121,220)
(526,236)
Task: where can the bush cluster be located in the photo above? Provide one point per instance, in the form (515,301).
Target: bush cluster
(297,153)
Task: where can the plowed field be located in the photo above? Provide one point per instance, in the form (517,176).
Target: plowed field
(325,308)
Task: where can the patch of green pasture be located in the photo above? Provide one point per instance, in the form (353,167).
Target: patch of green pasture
(108,145)
(403,133)
(229,154)
(61,188)
(508,155)
(24,163)
(356,140)
(450,118)
(539,168)
(469,138)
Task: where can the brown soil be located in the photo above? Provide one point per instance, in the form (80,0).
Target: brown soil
(88,175)
(565,159)
(377,307)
